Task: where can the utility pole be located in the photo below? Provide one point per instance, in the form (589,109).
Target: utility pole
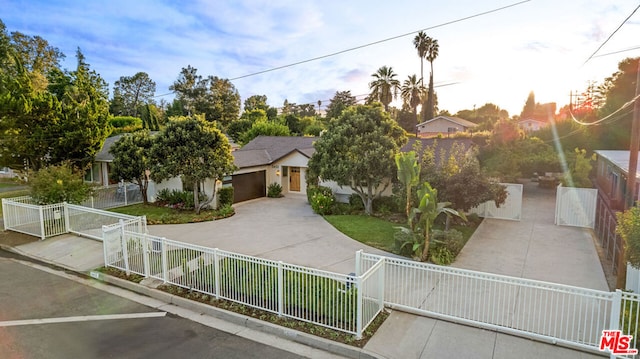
(631,176)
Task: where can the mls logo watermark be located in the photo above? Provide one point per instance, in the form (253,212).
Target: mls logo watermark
(617,343)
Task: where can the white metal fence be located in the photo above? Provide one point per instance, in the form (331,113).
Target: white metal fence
(545,311)
(122,194)
(342,302)
(22,215)
(511,209)
(576,206)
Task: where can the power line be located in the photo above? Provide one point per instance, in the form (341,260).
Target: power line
(627,104)
(617,52)
(613,33)
(381,41)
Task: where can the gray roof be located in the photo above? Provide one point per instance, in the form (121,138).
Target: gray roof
(458,120)
(104,155)
(619,158)
(264,150)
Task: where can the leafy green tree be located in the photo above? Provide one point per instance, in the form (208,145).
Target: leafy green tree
(238,127)
(256,102)
(411,93)
(628,228)
(193,149)
(131,160)
(149,115)
(358,151)
(579,170)
(529,106)
(85,113)
(264,128)
(132,91)
(384,87)
(340,101)
(408,174)
(216,98)
(59,183)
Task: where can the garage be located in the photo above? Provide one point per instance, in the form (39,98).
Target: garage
(249,186)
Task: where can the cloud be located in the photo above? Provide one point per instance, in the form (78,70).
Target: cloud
(355,75)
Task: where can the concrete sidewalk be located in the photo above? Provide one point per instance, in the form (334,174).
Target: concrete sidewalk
(286,229)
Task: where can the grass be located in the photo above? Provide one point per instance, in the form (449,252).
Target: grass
(11,194)
(378,232)
(165,215)
(371,231)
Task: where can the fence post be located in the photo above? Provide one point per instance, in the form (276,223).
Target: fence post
(124,189)
(381,282)
(145,255)
(4,213)
(143,219)
(67,223)
(125,250)
(616,305)
(104,246)
(216,272)
(358,263)
(164,259)
(42,234)
(358,285)
(280,289)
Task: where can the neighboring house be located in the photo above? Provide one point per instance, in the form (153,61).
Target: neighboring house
(6,172)
(612,169)
(531,125)
(99,172)
(443,125)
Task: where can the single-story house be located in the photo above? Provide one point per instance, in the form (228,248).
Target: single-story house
(443,125)
(271,159)
(612,170)
(531,125)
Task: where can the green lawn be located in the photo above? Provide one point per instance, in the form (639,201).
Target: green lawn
(164,215)
(11,194)
(369,230)
(377,232)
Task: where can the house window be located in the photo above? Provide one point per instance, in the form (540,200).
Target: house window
(285,171)
(452,130)
(615,180)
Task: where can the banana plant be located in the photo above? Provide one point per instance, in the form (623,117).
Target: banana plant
(408,174)
(429,209)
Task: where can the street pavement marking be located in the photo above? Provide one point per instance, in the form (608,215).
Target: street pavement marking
(86,318)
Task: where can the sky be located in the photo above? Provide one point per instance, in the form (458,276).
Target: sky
(498,57)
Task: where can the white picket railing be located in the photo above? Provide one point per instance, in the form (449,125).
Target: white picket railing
(342,302)
(576,206)
(540,310)
(44,221)
(122,194)
(511,209)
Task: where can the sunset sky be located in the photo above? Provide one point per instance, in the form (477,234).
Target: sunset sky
(537,45)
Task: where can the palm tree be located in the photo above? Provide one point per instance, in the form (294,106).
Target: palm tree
(420,43)
(412,92)
(384,87)
(432,53)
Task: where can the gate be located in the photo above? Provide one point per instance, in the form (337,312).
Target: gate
(576,206)
(511,209)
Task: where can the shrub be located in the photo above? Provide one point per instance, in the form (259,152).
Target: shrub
(125,121)
(225,196)
(321,203)
(178,199)
(385,204)
(274,190)
(225,211)
(61,183)
(356,202)
(313,189)
(445,246)
(341,208)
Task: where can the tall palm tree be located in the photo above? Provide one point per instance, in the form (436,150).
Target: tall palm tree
(432,53)
(420,43)
(412,92)
(385,86)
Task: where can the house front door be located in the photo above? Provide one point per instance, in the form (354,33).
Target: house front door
(294,179)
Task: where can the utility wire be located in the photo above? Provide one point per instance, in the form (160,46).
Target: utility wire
(381,41)
(627,104)
(617,52)
(613,33)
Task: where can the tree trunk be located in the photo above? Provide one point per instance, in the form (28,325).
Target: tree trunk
(425,250)
(196,199)
(144,185)
(368,205)
(447,223)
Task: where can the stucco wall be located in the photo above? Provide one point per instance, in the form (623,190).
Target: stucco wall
(440,125)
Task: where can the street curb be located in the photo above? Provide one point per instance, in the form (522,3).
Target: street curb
(239,319)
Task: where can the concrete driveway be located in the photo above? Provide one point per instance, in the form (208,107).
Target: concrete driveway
(284,229)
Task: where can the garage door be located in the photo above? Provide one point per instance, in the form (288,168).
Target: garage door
(249,186)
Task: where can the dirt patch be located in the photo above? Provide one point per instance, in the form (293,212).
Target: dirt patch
(14,239)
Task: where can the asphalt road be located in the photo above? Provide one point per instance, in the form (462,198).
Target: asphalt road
(43,315)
